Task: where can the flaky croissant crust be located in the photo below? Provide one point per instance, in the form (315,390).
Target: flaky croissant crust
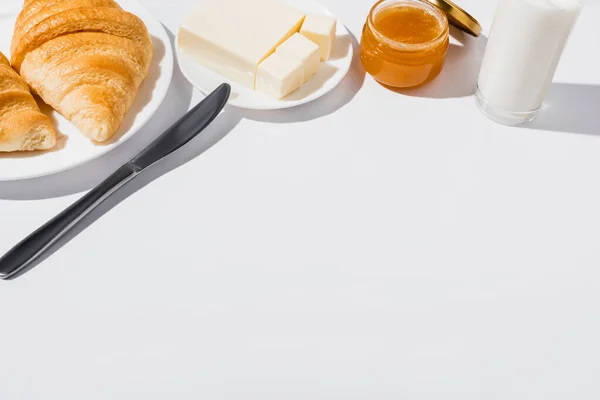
(85,58)
(22,126)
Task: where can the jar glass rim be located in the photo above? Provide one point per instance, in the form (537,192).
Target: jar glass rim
(425,6)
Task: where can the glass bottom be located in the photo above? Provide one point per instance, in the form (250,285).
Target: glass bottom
(502,116)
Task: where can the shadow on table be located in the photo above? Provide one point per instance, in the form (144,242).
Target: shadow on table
(211,136)
(571,108)
(459,75)
(89,175)
(327,104)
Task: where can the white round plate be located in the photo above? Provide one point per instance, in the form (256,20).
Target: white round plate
(73,148)
(329,76)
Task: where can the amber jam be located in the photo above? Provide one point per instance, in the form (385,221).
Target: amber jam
(404,42)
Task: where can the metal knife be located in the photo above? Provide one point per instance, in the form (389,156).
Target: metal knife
(31,250)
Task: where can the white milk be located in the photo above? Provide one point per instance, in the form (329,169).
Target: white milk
(523,50)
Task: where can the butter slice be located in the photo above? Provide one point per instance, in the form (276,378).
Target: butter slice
(321,29)
(299,47)
(279,75)
(232,37)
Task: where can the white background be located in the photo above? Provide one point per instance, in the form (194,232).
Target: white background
(371,245)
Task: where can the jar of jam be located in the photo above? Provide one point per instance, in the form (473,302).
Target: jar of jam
(404,42)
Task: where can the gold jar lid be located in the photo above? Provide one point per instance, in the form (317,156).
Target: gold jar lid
(458,17)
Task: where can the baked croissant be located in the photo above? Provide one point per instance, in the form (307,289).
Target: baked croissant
(22,126)
(85,58)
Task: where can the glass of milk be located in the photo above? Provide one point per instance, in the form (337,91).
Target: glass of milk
(523,50)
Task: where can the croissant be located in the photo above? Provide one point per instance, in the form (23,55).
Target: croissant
(85,58)
(22,126)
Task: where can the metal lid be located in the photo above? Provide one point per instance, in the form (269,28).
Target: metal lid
(458,17)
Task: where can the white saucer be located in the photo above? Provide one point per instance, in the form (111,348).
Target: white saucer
(73,148)
(329,76)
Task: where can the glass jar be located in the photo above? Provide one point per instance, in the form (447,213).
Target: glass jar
(404,42)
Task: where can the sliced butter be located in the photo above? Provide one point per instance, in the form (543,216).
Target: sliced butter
(232,37)
(321,29)
(300,48)
(279,75)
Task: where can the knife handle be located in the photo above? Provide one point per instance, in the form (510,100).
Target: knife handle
(26,254)
(36,246)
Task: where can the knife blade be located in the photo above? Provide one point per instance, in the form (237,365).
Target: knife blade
(29,252)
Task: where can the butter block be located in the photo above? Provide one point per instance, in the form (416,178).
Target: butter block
(299,47)
(279,75)
(321,29)
(232,37)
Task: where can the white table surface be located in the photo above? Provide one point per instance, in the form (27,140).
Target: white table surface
(372,245)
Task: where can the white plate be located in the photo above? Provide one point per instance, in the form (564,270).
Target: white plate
(329,76)
(73,148)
